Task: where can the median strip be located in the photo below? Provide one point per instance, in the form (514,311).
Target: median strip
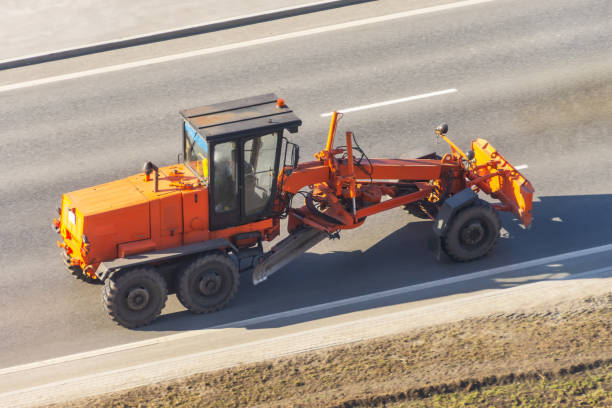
(175,33)
(244,44)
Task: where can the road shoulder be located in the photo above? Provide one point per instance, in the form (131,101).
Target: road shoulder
(556,354)
(176,357)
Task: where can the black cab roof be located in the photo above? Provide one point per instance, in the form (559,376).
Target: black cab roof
(227,120)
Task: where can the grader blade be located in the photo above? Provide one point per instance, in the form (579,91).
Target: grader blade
(507,184)
(286,251)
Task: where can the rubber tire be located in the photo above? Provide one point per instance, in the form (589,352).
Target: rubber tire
(488,218)
(115,291)
(193,299)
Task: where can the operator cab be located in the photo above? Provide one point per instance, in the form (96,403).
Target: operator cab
(235,148)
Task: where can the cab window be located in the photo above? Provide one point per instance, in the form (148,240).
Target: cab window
(258,166)
(225,183)
(196,151)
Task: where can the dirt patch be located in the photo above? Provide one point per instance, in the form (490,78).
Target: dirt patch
(459,359)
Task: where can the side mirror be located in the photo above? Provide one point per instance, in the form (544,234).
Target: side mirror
(295,156)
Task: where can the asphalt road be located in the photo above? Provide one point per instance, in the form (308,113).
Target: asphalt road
(534,78)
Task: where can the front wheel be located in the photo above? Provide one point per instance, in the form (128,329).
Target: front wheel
(135,297)
(208,283)
(472,232)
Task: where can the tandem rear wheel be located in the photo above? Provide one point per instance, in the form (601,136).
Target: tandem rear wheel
(135,297)
(472,232)
(208,283)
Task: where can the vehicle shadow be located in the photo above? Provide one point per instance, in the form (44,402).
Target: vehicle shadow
(402,258)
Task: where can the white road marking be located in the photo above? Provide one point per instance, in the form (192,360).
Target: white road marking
(393,101)
(244,44)
(521,167)
(316,308)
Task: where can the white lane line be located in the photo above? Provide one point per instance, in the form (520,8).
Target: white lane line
(315,308)
(521,167)
(275,347)
(244,44)
(394,101)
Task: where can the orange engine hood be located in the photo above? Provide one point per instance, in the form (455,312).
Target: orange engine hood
(121,211)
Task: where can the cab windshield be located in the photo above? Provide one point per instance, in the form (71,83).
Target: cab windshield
(196,151)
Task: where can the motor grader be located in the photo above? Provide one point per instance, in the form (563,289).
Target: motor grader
(193,227)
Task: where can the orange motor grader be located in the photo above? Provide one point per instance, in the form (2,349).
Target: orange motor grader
(192,228)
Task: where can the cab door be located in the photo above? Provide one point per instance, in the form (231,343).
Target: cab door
(224,190)
(259,175)
(243,179)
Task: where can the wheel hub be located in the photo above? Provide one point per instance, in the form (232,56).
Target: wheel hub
(210,283)
(472,233)
(138,298)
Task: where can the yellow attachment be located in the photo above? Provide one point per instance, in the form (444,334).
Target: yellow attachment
(496,176)
(332,131)
(453,146)
(327,154)
(205,167)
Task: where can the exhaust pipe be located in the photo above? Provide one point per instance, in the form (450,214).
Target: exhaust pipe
(148,168)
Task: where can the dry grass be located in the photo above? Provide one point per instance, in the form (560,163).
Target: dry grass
(588,388)
(500,359)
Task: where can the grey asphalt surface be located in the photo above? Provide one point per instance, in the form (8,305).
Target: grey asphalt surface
(534,78)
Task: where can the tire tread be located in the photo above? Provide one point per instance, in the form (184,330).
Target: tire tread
(112,288)
(449,250)
(182,292)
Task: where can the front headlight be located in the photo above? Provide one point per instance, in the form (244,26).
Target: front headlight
(72,216)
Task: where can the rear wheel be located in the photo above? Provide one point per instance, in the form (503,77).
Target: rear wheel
(472,232)
(135,297)
(208,283)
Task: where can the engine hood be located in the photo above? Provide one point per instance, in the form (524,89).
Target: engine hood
(106,197)
(119,212)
